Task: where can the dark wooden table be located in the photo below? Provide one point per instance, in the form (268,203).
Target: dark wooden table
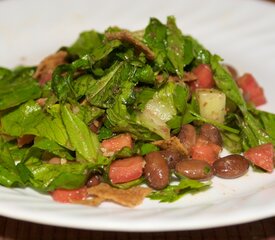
(11,229)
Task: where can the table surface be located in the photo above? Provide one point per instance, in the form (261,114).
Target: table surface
(12,229)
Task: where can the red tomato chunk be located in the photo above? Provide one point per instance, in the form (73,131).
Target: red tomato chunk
(67,196)
(252,92)
(204,77)
(261,156)
(205,151)
(126,170)
(116,143)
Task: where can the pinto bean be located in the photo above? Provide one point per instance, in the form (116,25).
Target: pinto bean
(94,180)
(211,134)
(156,170)
(96,125)
(194,169)
(233,72)
(231,166)
(188,136)
(55,160)
(24,140)
(172,157)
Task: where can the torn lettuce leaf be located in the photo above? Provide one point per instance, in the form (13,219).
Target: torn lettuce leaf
(48,177)
(17,86)
(164,106)
(30,119)
(120,120)
(175,46)
(155,37)
(162,103)
(52,147)
(100,92)
(86,42)
(84,141)
(9,175)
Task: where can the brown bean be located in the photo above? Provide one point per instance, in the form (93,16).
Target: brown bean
(211,134)
(24,140)
(95,125)
(156,170)
(93,128)
(187,136)
(172,157)
(194,169)
(233,72)
(231,166)
(94,180)
(55,160)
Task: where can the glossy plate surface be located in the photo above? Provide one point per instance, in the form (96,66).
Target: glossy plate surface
(242,32)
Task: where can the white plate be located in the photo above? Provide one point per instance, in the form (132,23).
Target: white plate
(240,31)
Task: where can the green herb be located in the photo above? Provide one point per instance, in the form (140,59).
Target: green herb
(17,87)
(147,148)
(174,192)
(84,141)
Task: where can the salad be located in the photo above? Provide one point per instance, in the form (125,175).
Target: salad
(123,115)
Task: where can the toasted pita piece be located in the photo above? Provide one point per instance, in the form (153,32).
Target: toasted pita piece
(46,67)
(126,36)
(187,77)
(127,197)
(95,201)
(172,143)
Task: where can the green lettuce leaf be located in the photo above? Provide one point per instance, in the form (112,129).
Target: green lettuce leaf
(155,37)
(30,119)
(100,93)
(48,177)
(9,176)
(175,46)
(23,120)
(164,106)
(84,141)
(86,42)
(52,147)
(62,82)
(267,120)
(17,87)
(120,120)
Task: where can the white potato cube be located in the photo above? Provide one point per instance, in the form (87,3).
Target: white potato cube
(211,104)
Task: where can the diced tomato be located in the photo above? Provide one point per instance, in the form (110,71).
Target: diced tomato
(205,151)
(41,101)
(67,196)
(126,170)
(116,143)
(261,156)
(204,77)
(46,77)
(252,92)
